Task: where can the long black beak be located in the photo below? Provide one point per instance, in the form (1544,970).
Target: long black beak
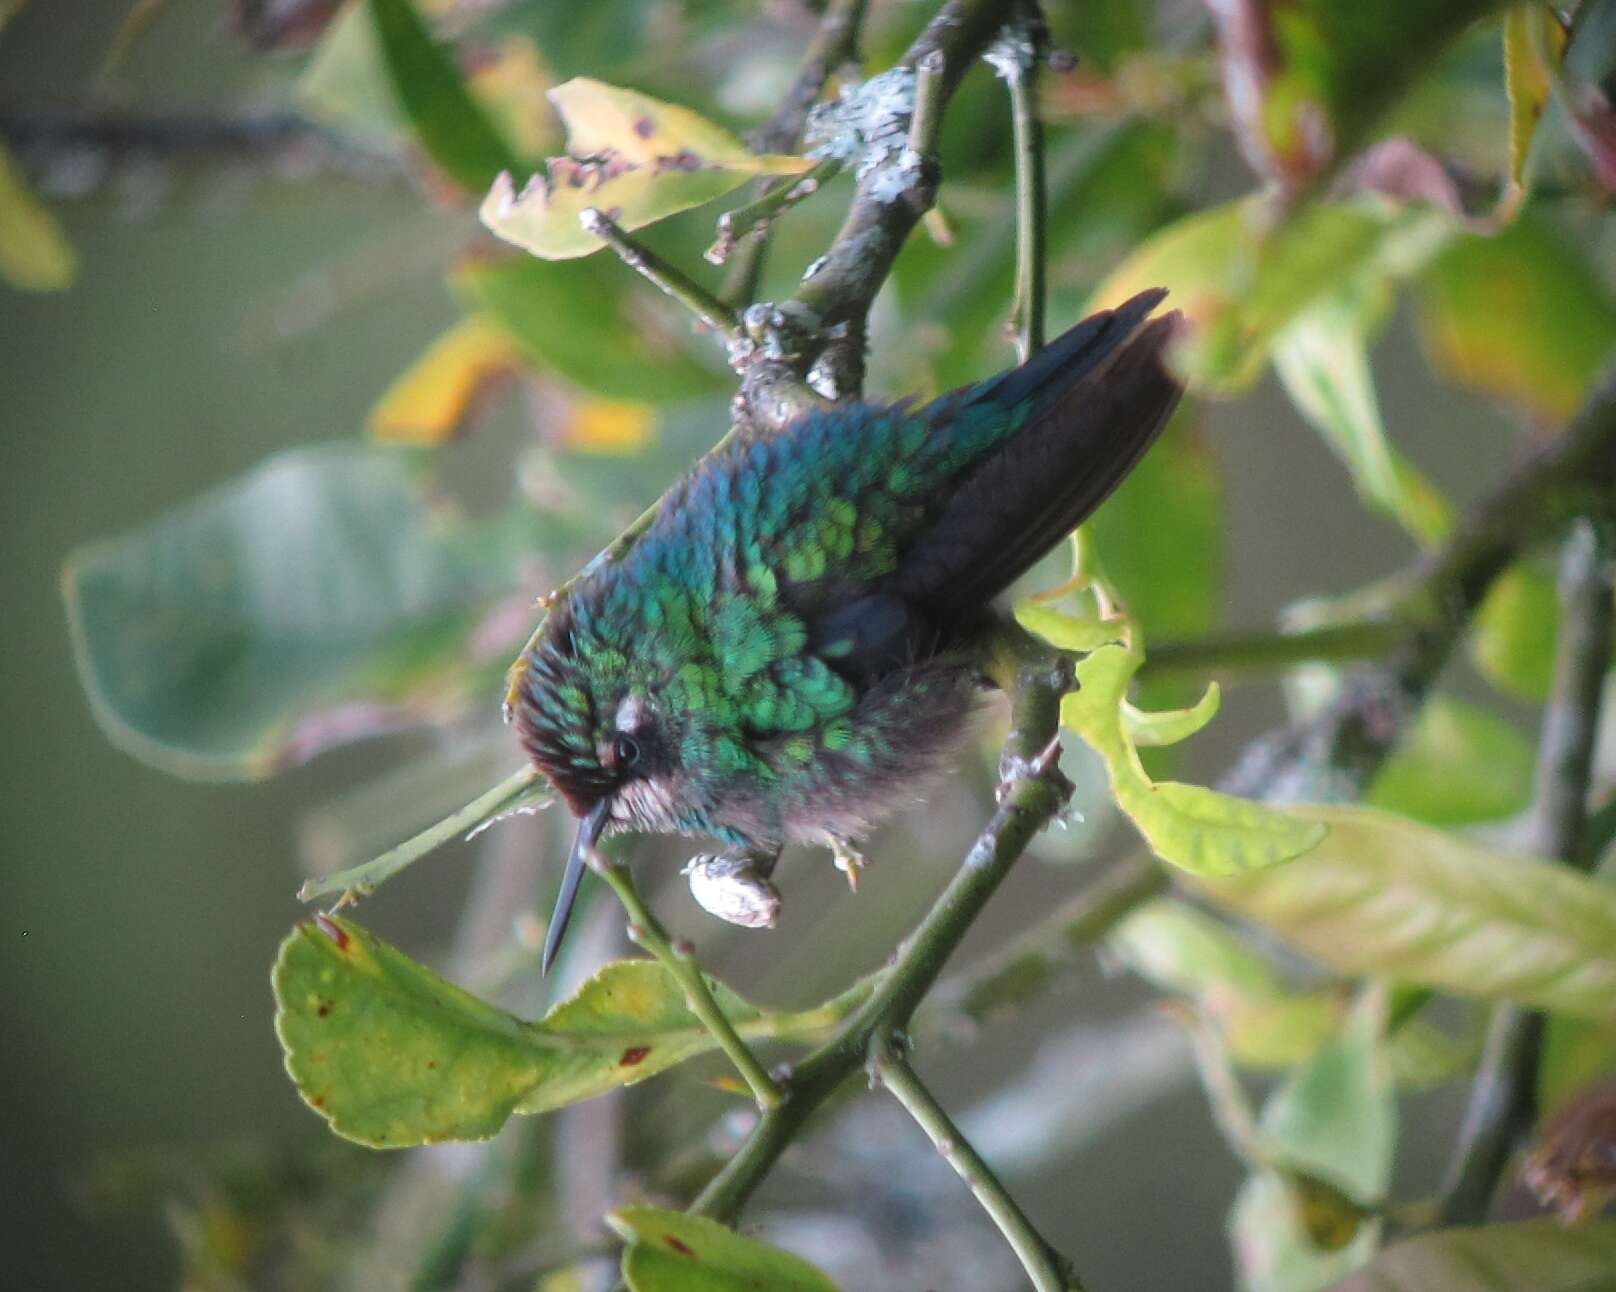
(589,831)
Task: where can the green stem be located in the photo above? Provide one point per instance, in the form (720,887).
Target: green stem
(678,960)
(365,879)
(1016,56)
(1047,1270)
(752,220)
(1260,652)
(927,120)
(664,276)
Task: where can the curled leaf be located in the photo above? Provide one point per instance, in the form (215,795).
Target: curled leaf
(1197,829)
(634,157)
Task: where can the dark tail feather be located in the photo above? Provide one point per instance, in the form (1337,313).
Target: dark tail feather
(1100,395)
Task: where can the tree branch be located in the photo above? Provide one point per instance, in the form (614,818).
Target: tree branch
(1048,1270)
(680,962)
(1016,56)
(835,43)
(1503,1096)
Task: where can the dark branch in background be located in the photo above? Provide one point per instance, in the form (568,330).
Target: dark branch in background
(1333,755)
(835,43)
(1503,1102)
(285,142)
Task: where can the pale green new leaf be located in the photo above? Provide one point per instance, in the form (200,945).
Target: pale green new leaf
(1539,1255)
(633,157)
(1383,896)
(393,1055)
(671,1251)
(1198,829)
(1170,726)
(1322,359)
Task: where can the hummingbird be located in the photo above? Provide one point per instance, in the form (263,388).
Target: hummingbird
(784,654)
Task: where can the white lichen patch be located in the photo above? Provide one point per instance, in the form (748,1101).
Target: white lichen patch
(868,124)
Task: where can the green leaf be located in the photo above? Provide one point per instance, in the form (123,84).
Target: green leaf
(1322,359)
(634,157)
(447,121)
(1198,829)
(669,1251)
(1068,632)
(1513,633)
(35,255)
(1576,1053)
(1456,766)
(1336,1117)
(1241,285)
(392,1055)
(321,598)
(1275,1224)
(1382,896)
(1539,1255)
(1524,316)
(579,320)
(1170,726)
(1184,951)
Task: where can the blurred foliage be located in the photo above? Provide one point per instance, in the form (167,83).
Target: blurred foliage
(1458,152)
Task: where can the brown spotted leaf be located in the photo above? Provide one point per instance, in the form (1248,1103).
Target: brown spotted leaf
(636,158)
(669,1251)
(392,1055)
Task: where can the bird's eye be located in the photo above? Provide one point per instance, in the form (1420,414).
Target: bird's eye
(625,749)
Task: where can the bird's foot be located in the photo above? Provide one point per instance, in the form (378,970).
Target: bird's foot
(735,888)
(847,859)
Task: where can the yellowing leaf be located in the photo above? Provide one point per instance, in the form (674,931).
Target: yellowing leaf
(1240,285)
(513,87)
(631,156)
(1524,316)
(620,427)
(432,399)
(34,253)
(1384,897)
(1534,43)
(1192,827)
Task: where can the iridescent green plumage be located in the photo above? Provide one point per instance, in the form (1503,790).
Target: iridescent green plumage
(784,652)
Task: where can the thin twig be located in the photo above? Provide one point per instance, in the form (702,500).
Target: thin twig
(680,962)
(1266,652)
(507,796)
(754,218)
(1048,1271)
(662,275)
(927,121)
(1016,56)
(1503,1095)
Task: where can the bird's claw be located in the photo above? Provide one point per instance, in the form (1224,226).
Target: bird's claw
(735,889)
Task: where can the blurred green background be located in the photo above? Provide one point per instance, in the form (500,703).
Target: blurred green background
(223,312)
